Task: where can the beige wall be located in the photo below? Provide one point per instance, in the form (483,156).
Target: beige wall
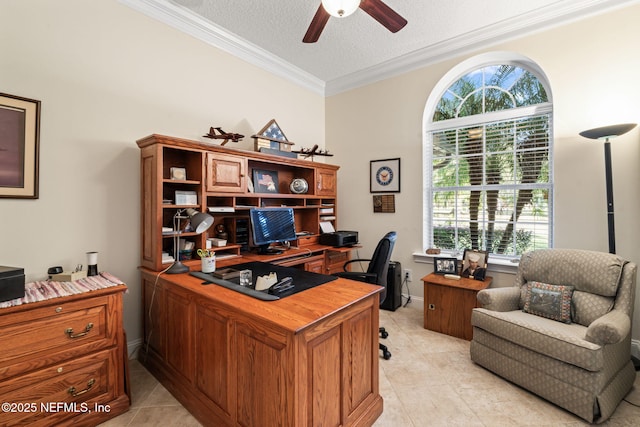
(107,76)
(592,66)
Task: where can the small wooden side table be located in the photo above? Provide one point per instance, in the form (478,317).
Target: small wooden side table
(448,304)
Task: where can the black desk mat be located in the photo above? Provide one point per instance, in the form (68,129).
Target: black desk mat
(302,280)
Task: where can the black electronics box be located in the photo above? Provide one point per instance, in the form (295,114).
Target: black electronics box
(394,287)
(11,283)
(339,238)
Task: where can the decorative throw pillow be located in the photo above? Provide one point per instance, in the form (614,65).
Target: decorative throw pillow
(550,301)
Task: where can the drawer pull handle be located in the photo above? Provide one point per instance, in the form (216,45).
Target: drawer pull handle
(69,331)
(72,391)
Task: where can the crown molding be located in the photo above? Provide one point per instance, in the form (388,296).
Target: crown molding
(188,22)
(529,23)
(538,20)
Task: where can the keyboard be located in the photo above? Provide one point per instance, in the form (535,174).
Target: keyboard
(234,286)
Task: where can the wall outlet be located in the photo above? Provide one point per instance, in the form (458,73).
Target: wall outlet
(407,274)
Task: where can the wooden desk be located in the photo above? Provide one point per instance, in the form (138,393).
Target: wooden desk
(305,360)
(448,304)
(315,257)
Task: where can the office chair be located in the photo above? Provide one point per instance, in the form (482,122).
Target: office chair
(376,274)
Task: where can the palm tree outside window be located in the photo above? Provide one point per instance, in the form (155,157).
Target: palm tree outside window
(488,171)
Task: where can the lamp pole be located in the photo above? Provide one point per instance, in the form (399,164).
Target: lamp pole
(609,183)
(606,133)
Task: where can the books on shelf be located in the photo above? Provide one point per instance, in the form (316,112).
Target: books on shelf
(166,258)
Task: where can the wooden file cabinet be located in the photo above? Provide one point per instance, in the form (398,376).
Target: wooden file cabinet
(448,304)
(63,360)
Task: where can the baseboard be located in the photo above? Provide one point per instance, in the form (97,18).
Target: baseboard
(133,348)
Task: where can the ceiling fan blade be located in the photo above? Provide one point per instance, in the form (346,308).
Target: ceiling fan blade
(317,25)
(384,15)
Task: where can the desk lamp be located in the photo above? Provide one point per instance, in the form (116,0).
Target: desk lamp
(607,133)
(200,222)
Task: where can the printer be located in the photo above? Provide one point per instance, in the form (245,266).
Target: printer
(339,238)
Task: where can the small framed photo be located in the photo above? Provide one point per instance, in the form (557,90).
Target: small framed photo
(178,173)
(385,176)
(265,181)
(445,265)
(19,147)
(474,264)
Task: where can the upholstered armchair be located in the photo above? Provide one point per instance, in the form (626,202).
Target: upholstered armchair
(563,331)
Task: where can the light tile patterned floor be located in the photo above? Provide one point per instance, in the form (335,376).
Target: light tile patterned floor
(429,381)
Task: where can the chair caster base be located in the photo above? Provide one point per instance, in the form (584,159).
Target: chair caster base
(383,333)
(386,354)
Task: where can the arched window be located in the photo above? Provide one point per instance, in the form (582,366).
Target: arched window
(488,158)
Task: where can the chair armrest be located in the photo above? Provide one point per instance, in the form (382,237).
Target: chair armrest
(359,276)
(500,299)
(344,266)
(611,328)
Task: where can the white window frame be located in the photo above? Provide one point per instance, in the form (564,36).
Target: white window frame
(429,126)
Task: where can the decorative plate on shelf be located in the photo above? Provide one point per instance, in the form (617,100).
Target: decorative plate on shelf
(299,186)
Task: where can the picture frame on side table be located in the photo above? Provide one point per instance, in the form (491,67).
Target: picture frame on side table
(19,147)
(265,181)
(474,264)
(445,265)
(385,176)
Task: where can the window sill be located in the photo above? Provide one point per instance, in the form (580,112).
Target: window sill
(499,265)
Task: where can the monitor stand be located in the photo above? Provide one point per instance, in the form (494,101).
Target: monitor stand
(266,250)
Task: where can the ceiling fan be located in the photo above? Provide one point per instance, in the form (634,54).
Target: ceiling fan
(343,8)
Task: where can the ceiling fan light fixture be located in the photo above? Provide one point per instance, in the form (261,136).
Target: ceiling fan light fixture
(340,8)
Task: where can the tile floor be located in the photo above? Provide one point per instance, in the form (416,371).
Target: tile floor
(429,381)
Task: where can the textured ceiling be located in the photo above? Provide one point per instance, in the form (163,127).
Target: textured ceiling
(357,50)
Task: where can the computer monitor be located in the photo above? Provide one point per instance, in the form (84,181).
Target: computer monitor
(271,225)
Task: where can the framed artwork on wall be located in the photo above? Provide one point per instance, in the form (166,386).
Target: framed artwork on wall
(385,176)
(19,147)
(385,203)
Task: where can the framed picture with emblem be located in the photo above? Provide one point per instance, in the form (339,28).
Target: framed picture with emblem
(385,176)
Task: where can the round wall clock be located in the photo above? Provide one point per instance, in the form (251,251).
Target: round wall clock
(299,186)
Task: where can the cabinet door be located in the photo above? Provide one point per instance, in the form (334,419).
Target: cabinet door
(179,330)
(264,376)
(316,266)
(215,375)
(325,182)
(226,173)
(154,316)
(448,310)
(335,260)
(341,362)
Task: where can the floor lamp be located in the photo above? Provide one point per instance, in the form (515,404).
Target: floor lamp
(200,222)
(607,133)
